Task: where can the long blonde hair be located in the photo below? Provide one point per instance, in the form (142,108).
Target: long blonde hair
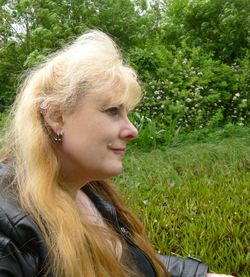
(91,63)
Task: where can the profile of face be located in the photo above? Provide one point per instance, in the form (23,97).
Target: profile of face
(95,136)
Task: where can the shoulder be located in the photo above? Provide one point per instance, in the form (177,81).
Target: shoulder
(14,223)
(18,256)
(181,267)
(22,248)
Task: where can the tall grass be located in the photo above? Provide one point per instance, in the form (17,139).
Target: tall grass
(194,197)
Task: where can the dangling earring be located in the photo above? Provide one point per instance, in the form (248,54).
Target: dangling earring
(58,138)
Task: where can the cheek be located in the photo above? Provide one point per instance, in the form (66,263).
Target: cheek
(83,144)
(88,136)
(73,140)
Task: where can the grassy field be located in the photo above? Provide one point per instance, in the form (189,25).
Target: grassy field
(194,197)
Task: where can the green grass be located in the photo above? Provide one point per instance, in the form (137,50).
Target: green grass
(194,197)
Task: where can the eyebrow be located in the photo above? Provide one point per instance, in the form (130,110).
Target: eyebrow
(120,106)
(111,100)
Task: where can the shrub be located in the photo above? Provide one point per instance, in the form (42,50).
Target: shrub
(189,87)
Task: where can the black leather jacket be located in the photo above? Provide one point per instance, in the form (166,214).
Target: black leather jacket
(23,252)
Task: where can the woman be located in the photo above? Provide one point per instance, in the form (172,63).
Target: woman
(67,133)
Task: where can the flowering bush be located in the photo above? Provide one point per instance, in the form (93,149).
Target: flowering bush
(187,86)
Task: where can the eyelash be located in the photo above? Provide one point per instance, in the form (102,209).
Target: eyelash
(113,111)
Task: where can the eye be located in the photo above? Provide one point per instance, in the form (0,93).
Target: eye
(112,111)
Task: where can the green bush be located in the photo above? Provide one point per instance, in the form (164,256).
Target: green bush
(189,87)
(218,26)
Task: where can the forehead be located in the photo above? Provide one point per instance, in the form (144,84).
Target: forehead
(119,90)
(114,97)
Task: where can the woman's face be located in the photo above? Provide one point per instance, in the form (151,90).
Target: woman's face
(95,138)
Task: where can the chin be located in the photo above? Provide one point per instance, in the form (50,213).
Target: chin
(115,171)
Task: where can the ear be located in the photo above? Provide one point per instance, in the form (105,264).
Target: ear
(54,119)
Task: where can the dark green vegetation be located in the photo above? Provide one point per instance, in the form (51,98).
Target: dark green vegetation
(194,197)
(192,56)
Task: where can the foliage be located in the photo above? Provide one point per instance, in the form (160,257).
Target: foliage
(192,56)
(32,29)
(190,88)
(152,137)
(193,198)
(219,26)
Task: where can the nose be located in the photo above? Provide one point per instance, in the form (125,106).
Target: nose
(129,132)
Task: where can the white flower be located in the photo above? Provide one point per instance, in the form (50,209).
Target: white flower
(145,202)
(184,61)
(188,100)
(172,183)
(237,94)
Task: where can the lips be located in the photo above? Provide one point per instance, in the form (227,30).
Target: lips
(118,151)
